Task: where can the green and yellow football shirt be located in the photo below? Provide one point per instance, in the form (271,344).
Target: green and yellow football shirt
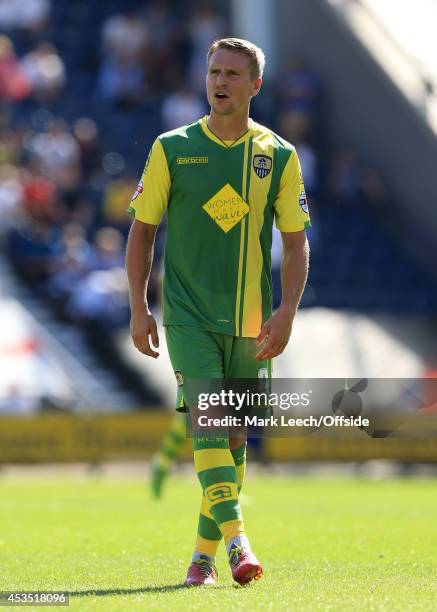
(221,200)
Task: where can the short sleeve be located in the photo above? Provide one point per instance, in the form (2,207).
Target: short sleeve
(150,200)
(291,208)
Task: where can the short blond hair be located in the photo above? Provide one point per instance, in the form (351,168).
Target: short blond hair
(257,59)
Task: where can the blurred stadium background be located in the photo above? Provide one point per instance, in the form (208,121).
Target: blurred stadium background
(86,86)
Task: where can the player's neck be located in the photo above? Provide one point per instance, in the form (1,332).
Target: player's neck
(228,128)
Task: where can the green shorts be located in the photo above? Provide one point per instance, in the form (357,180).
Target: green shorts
(197,353)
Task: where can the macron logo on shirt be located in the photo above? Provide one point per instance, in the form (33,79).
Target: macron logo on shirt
(182,161)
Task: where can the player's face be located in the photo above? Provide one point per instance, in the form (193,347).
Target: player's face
(229,84)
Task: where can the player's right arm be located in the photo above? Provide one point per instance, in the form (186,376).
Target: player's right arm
(148,205)
(139,258)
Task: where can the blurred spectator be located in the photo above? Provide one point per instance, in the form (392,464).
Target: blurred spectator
(181,107)
(57,154)
(11,194)
(299,87)
(103,294)
(344,180)
(85,213)
(28,15)
(45,71)
(124,36)
(39,195)
(161,57)
(122,74)
(14,83)
(205,26)
(87,135)
(33,250)
(109,249)
(116,194)
(76,259)
(354,184)
(122,81)
(102,298)
(298,93)
(10,146)
(161,26)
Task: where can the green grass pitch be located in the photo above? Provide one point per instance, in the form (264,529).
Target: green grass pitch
(326,544)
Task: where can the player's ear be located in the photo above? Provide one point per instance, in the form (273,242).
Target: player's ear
(256,86)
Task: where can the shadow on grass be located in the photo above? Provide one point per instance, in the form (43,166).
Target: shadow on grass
(166,588)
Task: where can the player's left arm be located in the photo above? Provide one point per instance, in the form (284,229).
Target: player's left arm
(294,272)
(292,217)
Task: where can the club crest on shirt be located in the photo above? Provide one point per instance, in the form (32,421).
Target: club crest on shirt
(138,190)
(262,164)
(303,202)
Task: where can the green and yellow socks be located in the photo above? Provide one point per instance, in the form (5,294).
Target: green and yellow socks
(221,475)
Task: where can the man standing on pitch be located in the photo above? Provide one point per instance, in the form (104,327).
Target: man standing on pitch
(222,181)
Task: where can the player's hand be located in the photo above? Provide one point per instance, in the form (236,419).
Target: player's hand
(276,331)
(143,325)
